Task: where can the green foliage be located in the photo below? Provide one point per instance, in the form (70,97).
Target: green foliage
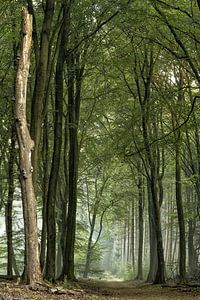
(116,60)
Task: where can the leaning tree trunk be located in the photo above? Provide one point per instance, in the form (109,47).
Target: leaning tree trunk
(89,247)
(32,265)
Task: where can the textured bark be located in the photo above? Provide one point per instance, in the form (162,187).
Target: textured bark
(32,265)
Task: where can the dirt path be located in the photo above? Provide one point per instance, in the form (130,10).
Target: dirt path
(98,290)
(137,290)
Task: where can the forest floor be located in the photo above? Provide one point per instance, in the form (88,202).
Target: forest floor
(102,290)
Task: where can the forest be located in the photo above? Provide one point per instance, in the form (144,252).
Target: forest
(100,141)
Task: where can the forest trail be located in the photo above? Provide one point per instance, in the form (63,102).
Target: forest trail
(98,290)
(105,290)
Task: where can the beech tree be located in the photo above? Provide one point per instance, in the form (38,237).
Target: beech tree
(103,86)
(26,144)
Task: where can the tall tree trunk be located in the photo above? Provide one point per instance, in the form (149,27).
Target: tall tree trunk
(75,77)
(9,204)
(181,222)
(89,247)
(45,158)
(192,253)
(41,80)
(64,201)
(133,234)
(124,243)
(128,236)
(144,94)
(53,180)
(179,201)
(141,225)
(152,234)
(32,265)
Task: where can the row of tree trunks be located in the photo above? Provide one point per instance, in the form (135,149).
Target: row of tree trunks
(75,77)
(40,94)
(51,199)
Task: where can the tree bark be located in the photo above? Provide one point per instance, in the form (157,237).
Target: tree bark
(152,234)
(141,227)
(75,77)
(89,247)
(9,204)
(53,180)
(133,234)
(45,157)
(32,265)
(179,204)
(153,171)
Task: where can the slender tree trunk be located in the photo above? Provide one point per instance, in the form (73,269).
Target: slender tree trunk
(89,247)
(128,237)
(32,265)
(179,201)
(192,254)
(145,90)
(133,234)
(42,77)
(152,234)
(45,193)
(53,180)
(9,204)
(124,244)
(141,225)
(15,267)
(75,77)
(160,275)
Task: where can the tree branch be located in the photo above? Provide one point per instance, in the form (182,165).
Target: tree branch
(169,133)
